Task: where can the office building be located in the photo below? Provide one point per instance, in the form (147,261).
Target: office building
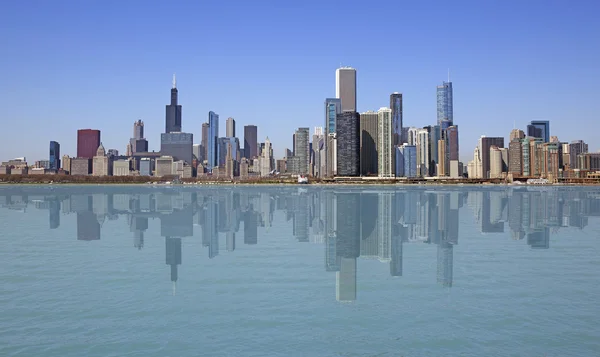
(54,155)
(576,148)
(385,143)
(301,149)
(164,166)
(348,144)
(423,152)
(213,136)
(445,109)
(485,144)
(66,163)
(81,166)
(121,167)
(173,112)
(495,162)
(88,141)
(539,129)
(408,160)
(266,158)
(396,106)
(452,146)
(101,163)
(204,143)
(177,145)
(515,156)
(516,134)
(138,129)
(369,128)
(250,141)
(146,166)
(333,107)
(442,165)
(434,159)
(230,127)
(345,88)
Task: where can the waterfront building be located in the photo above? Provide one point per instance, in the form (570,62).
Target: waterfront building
(230,128)
(396,106)
(54,155)
(445,107)
(539,129)
(213,135)
(348,144)
(368,143)
(345,88)
(177,145)
(88,141)
(385,143)
(250,141)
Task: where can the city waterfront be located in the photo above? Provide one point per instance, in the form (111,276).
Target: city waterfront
(323,270)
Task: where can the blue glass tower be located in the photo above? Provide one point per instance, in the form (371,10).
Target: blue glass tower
(333,107)
(409,157)
(213,135)
(54,155)
(539,129)
(396,106)
(444,103)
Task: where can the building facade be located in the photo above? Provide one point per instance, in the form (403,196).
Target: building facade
(345,88)
(230,128)
(348,144)
(54,155)
(445,107)
(301,149)
(250,141)
(213,136)
(385,144)
(177,145)
(369,134)
(396,106)
(88,141)
(539,129)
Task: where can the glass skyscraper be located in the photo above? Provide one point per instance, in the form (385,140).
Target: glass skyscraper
(333,106)
(213,135)
(396,106)
(444,103)
(539,129)
(54,155)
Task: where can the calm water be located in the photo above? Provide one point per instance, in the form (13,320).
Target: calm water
(290,271)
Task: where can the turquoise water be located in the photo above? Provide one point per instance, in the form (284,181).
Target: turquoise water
(289,271)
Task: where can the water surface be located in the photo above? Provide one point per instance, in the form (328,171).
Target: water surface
(293,271)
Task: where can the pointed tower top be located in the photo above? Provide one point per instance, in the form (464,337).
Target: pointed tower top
(174,81)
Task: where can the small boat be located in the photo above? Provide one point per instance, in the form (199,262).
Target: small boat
(302,180)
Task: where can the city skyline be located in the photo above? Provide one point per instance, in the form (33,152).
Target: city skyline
(117,93)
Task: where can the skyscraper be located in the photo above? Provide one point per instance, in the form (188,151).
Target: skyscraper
(138,143)
(368,143)
(301,149)
(485,144)
(385,143)
(333,106)
(177,145)
(517,134)
(230,127)
(204,142)
(88,141)
(250,141)
(54,155)
(138,130)
(539,129)
(396,106)
(213,135)
(348,144)
(444,103)
(345,88)
(173,112)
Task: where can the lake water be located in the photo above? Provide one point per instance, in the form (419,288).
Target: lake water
(299,271)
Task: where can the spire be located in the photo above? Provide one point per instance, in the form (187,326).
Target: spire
(448,75)
(174,81)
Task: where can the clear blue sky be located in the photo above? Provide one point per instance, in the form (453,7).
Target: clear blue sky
(103,64)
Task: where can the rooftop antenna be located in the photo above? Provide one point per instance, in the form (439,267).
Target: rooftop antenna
(174,81)
(448,75)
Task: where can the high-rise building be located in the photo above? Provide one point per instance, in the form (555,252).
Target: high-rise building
(434,159)
(173,112)
(54,155)
(442,165)
(177,145)
(138,129)
(485,144)
(539,129)
(408,159)
(250,141)
(576,148)
(266,158)
(516,134)
(318,145)
(213,135)
(452,144)
(368,143)
(348,144)
(396,106)
(423,152)
(495,161)
(515,156)
(301,149)
(101,165)
(230,127)
(88,141)
(345,88)
(333,106)
(385,143)
(445,109)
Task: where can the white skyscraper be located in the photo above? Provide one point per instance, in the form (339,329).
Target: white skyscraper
(385,144)
(230,128)
(345,88)
(423,154)
(265,159)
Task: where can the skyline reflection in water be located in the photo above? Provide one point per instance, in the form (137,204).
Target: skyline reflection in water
(350,223)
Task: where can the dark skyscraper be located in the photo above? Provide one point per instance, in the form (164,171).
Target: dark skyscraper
(250,141)
(204,142)
(177,145)
(88,141)
(348,144)
(396,106)
(539,129)
(486,143)
(173,115)
(54,155)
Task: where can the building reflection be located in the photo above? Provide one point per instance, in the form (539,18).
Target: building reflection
(351,224)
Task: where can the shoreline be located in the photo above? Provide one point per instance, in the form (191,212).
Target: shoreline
(150,181)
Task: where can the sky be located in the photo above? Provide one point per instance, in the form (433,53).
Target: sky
(103,64)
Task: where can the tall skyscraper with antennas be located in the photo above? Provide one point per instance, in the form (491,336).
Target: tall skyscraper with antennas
(173,112)
(445,104)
